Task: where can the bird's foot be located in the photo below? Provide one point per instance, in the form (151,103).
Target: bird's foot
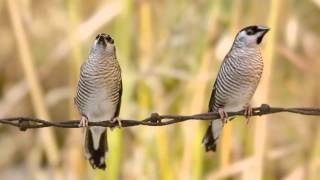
(248,113)
(118,120)
(84,122)
(223,115)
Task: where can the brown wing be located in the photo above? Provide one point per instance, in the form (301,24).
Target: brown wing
(212,98)
(119,102)
(75,99)
(214,89)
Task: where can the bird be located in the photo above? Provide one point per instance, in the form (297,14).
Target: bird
(98,97)
(236,82)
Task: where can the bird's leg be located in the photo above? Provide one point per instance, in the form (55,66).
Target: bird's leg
(118,120)
(223,115)
(248,113)
(84,122)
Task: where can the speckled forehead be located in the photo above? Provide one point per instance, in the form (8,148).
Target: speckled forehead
(107,37)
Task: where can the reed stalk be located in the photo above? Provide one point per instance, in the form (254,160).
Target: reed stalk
(46,135)
(226,139)
(76,163)
(262,95)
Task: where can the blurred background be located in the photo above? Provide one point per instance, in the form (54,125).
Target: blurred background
(170,52)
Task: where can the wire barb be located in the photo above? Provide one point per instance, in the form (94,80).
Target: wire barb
(155,119)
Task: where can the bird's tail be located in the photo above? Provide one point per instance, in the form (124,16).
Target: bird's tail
(212,135)
(96,146)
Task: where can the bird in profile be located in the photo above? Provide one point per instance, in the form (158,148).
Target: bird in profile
(237,81)
(98,97)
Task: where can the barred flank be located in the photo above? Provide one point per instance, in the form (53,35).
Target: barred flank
(238,77)
(98,96)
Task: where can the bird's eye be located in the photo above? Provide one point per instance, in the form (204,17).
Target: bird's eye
(250,32)
(109,39)
(97,36)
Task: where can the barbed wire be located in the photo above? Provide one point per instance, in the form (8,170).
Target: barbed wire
(155,119)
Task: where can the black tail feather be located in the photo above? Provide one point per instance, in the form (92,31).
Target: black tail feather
(208,140)
(96,157)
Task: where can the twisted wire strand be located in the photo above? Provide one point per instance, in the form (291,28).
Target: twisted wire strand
(155,119)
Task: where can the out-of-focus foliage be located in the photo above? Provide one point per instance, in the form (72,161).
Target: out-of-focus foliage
(170,52)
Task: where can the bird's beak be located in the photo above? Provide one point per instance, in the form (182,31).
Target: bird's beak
(263,29)
(100,39)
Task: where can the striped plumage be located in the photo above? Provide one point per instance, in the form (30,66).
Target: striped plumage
(99,96)
(237,79)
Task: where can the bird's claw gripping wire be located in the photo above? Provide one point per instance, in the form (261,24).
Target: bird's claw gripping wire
(223,115)
(118,120)
(84,122)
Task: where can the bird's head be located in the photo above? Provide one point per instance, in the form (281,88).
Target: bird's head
(104,43)
(251,35)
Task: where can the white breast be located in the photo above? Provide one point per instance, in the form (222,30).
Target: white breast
(239,100)
(100,107)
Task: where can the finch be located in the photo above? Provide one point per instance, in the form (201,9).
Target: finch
(98,97)
(237,80)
